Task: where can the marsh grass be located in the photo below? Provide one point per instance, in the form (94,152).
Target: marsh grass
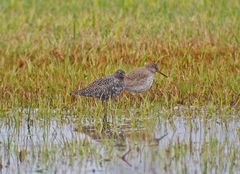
(50,48)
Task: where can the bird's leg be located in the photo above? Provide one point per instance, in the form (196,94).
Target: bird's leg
(104,120)
(104,104)
(112,111)
(106,128)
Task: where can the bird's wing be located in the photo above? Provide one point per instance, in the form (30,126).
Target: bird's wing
(101,82)
(137,76)
(98,87)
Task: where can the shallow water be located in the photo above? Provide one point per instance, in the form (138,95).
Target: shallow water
(154,144)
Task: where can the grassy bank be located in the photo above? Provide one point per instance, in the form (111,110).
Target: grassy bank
(49,48)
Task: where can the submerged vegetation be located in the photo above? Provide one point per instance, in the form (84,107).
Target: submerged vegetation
(50,48)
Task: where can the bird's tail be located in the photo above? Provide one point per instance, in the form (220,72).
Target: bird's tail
(82,92)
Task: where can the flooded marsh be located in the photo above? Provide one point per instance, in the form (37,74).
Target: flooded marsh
(30,143)
(50,48)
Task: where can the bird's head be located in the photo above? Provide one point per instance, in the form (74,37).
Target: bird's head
(152,67)
(120,74)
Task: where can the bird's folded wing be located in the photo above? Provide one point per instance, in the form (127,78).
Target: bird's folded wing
(97,88)
(136,77)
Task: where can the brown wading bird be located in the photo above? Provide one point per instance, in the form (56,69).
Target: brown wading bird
(141,79)
(104,88)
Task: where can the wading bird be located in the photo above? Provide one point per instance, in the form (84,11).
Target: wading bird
(104,88)
(141,79)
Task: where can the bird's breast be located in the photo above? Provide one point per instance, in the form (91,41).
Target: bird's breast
(140,85)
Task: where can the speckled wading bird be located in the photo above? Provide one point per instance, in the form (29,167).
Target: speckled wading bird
(141,79)
(104,88)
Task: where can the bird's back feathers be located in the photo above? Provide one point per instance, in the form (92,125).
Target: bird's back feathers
(102,88)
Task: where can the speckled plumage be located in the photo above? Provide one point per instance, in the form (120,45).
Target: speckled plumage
(141,79)
(104,88)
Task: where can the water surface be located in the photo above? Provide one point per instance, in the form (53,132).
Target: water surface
(30,143)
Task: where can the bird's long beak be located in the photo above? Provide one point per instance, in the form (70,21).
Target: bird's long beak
(162,73)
